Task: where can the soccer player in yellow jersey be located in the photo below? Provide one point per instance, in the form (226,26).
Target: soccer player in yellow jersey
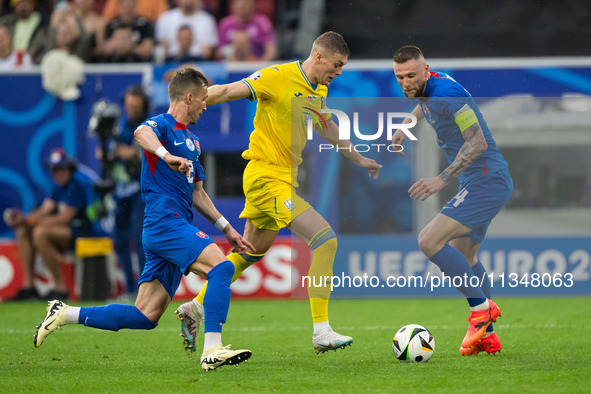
(270,178)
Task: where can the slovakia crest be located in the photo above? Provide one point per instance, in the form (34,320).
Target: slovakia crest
(202,235)
(190,144)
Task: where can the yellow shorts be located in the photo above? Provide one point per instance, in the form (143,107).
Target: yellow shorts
(271,200)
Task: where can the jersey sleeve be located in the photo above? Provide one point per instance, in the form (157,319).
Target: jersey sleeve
(263,83)
(159,128)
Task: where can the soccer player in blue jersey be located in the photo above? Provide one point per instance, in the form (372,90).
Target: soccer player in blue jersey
(453,237)
(172,182)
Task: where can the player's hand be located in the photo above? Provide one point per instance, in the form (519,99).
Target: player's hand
(398,139)
(372,167)
(238,243)
(13,217)
(177,163)
(426,187)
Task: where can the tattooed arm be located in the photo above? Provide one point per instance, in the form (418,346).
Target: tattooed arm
(474,145)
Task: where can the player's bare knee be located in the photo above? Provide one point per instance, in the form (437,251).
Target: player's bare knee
(427,245)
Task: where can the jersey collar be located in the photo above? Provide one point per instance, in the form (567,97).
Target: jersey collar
(299,63)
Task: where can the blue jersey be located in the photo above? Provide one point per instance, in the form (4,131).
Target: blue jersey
(444,97)
(162,187)
(77,193)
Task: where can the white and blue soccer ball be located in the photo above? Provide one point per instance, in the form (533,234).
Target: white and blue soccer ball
(413,343)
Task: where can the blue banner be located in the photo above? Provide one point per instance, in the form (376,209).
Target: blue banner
(393,266)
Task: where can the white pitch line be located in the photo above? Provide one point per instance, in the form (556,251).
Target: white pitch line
(78,329)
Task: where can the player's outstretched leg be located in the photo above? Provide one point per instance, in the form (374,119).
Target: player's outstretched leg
(324,247)
(478,322)
(56,317)
(191,313)
(216,303)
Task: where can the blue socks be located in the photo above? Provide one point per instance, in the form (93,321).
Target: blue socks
(216,304)
(480,272)
(217,297)
(453,264)
(115,317)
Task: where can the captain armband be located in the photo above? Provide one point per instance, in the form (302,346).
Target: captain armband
(466,118)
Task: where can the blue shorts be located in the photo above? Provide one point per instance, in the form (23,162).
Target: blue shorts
(479,201)
(171,246)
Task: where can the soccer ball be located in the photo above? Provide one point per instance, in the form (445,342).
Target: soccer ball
(413,343)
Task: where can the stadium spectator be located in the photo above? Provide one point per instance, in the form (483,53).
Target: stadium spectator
(219,8)
(90,24)
(185,40)
(258,27)
(188,12)
(142,31)
(61,68)
(269,182)
(28,28)
(453,237)
(240,50)
(149,9)
(171,185)
(53,227)
(129,209)
(121,48)
(9,59)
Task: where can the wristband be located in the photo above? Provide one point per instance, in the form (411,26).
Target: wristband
(160,152)
(221,223)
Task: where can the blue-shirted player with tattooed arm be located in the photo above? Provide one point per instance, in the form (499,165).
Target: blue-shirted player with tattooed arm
(172,182)
(453,237)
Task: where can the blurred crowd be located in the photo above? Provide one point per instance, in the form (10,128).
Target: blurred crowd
(127,31)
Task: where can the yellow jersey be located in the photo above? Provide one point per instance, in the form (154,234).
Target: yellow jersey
(286,100)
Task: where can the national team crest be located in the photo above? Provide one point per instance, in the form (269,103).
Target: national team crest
(254,76)
(289,204)
(190,144)
(202,235)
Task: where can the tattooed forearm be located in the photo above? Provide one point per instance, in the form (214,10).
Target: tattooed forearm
(474,145)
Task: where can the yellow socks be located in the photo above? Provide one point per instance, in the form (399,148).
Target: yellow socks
(241,262)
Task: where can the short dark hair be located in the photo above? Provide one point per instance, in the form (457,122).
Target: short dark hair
(186,80)
(406,53)
(333,42)
(138,91)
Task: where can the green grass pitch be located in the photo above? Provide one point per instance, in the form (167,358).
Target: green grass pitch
(546,348)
